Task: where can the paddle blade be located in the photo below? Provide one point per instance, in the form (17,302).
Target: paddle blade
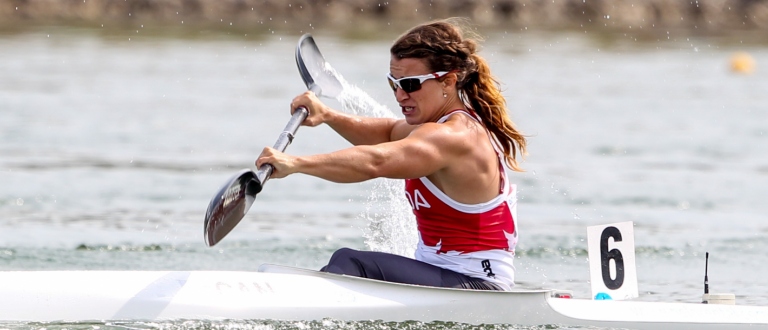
(229,205)
(317,74)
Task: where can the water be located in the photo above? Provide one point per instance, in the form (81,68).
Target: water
(111,146)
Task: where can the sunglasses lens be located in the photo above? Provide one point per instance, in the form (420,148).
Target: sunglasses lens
(410,84)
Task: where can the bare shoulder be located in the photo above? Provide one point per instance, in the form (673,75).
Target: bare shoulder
(459,133)
(401,129)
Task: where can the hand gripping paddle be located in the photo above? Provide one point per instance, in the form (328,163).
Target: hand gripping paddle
(234,199)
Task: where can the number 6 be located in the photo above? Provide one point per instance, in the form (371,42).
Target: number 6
(614,254)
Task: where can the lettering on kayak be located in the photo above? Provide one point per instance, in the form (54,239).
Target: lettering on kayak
(249,287)
(487,268)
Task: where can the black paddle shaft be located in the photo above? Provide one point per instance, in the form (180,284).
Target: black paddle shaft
(285,139)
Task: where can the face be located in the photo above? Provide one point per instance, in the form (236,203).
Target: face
(425,104)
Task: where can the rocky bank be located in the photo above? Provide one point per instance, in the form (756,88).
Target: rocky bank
(701,15)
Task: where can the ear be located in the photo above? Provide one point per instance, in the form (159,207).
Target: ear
(450,79)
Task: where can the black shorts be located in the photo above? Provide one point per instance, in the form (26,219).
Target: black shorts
(399,269)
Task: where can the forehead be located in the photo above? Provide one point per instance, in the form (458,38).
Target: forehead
(402,67)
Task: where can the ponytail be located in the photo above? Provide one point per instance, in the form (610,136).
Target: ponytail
(482,93)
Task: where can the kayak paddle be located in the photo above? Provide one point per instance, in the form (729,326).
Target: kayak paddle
(234,199)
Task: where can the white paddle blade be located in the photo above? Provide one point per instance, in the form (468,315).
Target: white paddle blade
(317,73)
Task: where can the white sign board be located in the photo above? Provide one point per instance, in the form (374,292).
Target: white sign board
(612,261)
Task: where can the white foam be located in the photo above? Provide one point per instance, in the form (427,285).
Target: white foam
(390,224)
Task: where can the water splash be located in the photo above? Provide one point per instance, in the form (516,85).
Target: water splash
(391,227)
(326,323)
(390,224)
(356,101)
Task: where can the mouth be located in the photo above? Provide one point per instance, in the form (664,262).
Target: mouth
(407,110)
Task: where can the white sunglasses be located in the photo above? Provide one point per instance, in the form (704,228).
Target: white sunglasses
(413,83)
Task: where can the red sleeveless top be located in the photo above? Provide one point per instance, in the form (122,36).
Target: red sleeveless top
(477,240)
(453,226)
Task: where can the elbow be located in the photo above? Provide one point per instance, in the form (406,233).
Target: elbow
(376,167)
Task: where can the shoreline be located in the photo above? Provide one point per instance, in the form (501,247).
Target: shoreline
(635,16)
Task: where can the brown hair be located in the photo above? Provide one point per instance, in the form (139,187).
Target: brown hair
(444,48)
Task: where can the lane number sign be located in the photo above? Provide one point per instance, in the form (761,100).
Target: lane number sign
(612,261)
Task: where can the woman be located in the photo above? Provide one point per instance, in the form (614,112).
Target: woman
(450,149)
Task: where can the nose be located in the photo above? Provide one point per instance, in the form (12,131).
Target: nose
(401,95)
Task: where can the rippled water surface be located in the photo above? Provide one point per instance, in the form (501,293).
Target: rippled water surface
(112,145)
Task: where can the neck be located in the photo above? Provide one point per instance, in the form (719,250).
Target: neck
(452,102)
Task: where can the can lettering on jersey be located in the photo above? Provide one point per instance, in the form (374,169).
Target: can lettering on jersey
(417,201)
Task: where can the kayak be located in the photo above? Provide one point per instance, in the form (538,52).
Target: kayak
(286,293)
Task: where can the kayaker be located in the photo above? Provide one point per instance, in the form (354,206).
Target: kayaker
(450,149)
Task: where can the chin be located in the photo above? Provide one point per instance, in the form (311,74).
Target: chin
(412,121)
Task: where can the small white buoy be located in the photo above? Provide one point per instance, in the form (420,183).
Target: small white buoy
(719,298)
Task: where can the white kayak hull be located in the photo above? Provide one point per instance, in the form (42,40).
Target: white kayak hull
(284,293)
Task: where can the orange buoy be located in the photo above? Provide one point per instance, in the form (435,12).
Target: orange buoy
(742,63)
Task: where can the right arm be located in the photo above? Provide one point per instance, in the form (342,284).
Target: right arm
(426,151)
(358,130)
